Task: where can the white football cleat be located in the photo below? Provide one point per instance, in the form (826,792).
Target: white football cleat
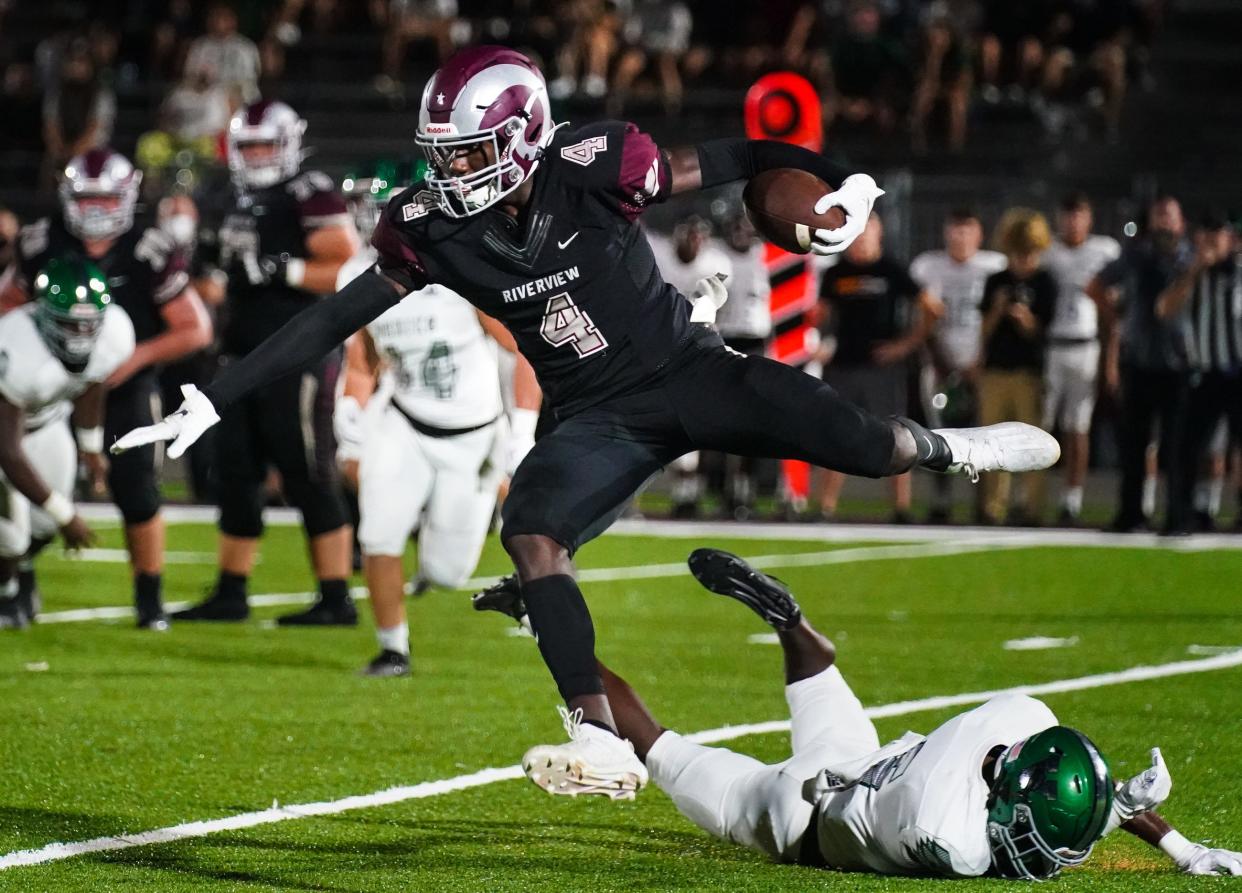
(1009,446)
(593,761)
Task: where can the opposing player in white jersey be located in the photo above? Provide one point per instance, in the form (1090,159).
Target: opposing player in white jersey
(55,354)
(955,277)
(1000,790)
(690,255)
(422,418)
(1073,341)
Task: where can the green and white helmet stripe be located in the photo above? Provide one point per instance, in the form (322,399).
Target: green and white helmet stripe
(368,189)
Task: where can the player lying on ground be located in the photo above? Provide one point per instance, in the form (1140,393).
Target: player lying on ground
(56,352)
(1001,789)
(537,227)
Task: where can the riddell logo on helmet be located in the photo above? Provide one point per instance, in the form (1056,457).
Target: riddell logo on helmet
(440,129)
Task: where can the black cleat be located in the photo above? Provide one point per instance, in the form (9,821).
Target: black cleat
(29,599)
(504,596)
(151,614)
(11,614)
(323,613)
(726,574)
(387,664)
(214,608)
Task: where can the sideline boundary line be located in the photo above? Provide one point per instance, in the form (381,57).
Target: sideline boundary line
(595,575)
(57,851)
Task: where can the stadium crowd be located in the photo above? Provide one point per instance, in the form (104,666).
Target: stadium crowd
(1043,320)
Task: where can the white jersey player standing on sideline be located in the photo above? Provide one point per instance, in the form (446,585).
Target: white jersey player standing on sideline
(690,255)
(1073,341)
(55,354)
(423,433)
(1000,790)
(955,277)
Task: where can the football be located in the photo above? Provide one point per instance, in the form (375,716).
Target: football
(781,205)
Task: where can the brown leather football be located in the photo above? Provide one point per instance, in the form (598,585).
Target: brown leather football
(781,205)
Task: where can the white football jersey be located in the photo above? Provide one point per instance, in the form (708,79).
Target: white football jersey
(33,379)
(747,313)
(922,808)
(1073,268)
(710,260)
(960,288)
(442,364)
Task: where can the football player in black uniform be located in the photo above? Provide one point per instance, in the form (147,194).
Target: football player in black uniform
(147,277)
(536,226)
(281,247)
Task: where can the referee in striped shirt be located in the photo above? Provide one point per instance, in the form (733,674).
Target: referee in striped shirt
(1209,292)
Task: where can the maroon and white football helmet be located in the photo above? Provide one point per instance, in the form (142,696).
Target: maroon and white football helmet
(484,94)
(99,174)
(270,124)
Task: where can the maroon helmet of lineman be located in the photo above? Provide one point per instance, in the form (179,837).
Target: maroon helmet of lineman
(483,95)
(276,131)
(98,192)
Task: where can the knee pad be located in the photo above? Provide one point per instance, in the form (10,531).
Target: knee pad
(135,490)
(241,510)
(322,505)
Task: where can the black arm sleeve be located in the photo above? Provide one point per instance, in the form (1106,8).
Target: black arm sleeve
(305,339)
(725,160)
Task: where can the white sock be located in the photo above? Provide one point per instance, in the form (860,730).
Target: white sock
(1072,500)
(1149,497)
(395,638)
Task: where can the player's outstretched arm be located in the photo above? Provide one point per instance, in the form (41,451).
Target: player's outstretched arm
(299,344)
(1192,858)
(716,162)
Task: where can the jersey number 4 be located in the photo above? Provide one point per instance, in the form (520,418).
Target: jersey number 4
(564,323)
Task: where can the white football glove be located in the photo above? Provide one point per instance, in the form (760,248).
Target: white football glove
(1142,793)
(195,415)
(347,426)
(1195,858)
(522,423)
(709,296)
(856,197)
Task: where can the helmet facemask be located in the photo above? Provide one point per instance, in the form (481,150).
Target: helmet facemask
(461,195)
(271,124)
(86,213)
(69,312)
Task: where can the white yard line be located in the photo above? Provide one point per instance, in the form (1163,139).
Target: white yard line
(597,575)
(120,556)
(56,851)
(824,533)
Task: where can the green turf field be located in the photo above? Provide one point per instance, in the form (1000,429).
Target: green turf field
(109,731)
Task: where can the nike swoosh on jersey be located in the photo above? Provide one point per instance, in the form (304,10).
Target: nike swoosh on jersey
(565,244)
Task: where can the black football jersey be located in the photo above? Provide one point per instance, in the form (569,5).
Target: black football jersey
(573,279)
(271,221)
(144,266)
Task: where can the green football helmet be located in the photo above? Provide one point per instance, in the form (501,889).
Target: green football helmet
(70,296)
(1048,805)
(369,190)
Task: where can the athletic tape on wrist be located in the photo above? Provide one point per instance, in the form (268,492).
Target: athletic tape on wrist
(90,440)
(59,508)
(1175,845)
(295,271)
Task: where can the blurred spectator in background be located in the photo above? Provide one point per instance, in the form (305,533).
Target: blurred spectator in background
(1011,50)
(1018,306)
(191,120)
(944,74)
(405,21)
(1147,357)
(1209,293)
(1087,54)
(745,323)
(228,59)
(878,317)
(870,72)
(690,255)
(170,39)
(78,112)
(954,278)
(592,30)
(21,108)
(659,34)
(1073,342)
